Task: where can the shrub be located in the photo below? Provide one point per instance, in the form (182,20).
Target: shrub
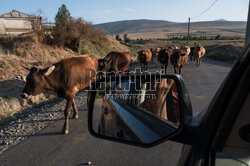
(84,51)
(117,37)
(126,38)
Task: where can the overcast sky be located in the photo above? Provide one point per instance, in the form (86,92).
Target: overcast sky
(100,11)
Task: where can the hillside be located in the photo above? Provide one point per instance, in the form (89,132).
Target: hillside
(19,53)
(162,29)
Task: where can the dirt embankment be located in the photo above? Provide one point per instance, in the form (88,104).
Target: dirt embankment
(228,52)
(19,54)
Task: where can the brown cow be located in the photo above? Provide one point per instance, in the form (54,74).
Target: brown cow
(178,59)
(144,57)
(115,61)
(155,53)
(163,57)
(192,58)
(158,104)
(64,78)
(199,52)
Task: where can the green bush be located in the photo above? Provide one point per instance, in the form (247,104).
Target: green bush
(84,51)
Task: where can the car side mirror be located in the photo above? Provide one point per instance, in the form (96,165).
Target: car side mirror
(142,110)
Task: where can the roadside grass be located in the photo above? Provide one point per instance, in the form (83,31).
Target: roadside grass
(221,56)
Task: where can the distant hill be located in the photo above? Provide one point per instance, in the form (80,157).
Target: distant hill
(220,19)
(160,28)
(131,25)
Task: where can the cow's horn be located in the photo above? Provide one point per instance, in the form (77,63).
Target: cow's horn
(50,70)
(26,68)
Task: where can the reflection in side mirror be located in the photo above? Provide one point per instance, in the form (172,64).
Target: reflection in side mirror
(139,109)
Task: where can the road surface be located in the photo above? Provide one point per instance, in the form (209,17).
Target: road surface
(49,147)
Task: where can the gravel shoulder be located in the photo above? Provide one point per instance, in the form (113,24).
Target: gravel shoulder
(33,120)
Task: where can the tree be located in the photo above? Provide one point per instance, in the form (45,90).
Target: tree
(117,37)
(126,38)
(63,14)
(217,37)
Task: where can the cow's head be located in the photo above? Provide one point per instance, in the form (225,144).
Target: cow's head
(35,81)
(198,47)
(141,52)
(102,65)
(152,50)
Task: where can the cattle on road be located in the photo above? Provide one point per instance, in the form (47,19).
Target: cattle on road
(155,54)
(178,59)
(115,62)
(144,57)
(199,52)
(64,78)
(163,57)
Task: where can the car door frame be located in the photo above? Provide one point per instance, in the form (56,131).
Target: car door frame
(212,129)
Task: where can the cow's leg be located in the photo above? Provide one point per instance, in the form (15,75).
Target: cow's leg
(175,70)
(180,69)
(142,67)
(166,67)
(75,116)
(66,115)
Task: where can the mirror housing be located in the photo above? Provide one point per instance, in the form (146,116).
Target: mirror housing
(118,134)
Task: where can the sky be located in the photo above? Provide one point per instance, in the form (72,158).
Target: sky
(101,11)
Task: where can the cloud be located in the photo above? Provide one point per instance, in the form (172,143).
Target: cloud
(129,10)
(102,12)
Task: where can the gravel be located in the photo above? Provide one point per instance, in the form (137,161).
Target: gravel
(33,120)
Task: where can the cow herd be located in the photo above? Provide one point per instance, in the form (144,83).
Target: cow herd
(70,75)
(178,57)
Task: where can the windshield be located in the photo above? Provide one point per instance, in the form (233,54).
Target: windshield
(48,48)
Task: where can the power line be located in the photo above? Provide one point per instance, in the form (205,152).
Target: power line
(205,10)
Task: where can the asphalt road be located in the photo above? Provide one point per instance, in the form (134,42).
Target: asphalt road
(77,148)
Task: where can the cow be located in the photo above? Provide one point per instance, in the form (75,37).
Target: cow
(64,78)
(186,49)
(159,89)
(173,48)
(178,59)
(115,62)
(155,53)
(163,57)
(144,57)
(192,58)
(199,52)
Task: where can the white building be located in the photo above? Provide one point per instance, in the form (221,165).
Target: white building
(16,23)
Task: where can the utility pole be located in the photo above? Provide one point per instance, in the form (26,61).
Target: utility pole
(188,29)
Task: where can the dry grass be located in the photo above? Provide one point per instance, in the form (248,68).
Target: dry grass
(19,54)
